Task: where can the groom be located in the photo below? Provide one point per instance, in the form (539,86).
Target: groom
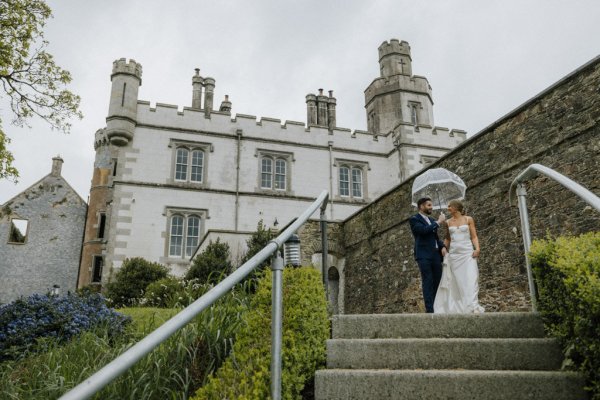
(429,249)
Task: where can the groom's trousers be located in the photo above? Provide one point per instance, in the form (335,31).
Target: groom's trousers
(431,274)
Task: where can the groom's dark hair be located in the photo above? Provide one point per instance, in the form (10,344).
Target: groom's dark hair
(422,200)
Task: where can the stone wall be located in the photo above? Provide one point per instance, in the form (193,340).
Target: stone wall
(560,129)
(50,254)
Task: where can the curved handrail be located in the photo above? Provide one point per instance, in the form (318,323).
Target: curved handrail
(534,169)
(123,362)
(529,173)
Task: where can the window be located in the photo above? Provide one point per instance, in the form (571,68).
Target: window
(274,170)
(97,265)
(189,161)
(273,179)
(351,181)
(101,225)
(414,112)
(18,230)
(184,233)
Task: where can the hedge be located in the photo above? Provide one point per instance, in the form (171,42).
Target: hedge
(246,373)
(567,275)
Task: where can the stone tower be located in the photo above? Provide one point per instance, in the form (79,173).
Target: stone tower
(397,96)
(122,111)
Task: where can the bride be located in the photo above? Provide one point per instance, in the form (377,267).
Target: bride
(459,287)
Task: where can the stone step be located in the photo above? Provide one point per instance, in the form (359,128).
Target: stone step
(447,384)
(486,325)
(482,354)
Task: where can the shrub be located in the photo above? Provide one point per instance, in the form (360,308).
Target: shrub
(567,272)
(212,264)
(256,242)
(132,279)
(25,321)
(163,293)
(245,374)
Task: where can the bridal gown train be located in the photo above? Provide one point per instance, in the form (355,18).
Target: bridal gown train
(458,292)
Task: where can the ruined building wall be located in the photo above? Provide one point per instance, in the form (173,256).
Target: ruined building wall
(559,129)
(50,253)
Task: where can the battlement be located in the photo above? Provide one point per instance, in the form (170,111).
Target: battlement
(170,116)
(100,139)
(394,46)
(131,67)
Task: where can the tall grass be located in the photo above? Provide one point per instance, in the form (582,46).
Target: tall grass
(172,371)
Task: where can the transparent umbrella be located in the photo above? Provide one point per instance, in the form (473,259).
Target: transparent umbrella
(440,185)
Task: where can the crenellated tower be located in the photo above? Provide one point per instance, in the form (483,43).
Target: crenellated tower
(126,80)
(397,96)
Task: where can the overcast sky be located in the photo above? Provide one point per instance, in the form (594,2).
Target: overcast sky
(482,59)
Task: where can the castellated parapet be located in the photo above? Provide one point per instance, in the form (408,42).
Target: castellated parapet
(131,67)
(395,58)
(394,46)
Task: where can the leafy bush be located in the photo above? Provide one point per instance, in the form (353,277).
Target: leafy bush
(245,374)
(256,242)
(132,279)
(212,265)
(24,321)
(163,293)
(567,272)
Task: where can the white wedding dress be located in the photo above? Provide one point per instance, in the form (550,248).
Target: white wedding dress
(458,292)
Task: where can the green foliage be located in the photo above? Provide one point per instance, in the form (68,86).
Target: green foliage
(567,272)
(32,82)
(163,293)
(172,371)
(212,265)
(245,374)
(132,279)
(257,241)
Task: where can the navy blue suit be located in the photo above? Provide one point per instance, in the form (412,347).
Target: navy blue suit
(428,256)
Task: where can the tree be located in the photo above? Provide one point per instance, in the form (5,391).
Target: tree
(212,265)
(32,83)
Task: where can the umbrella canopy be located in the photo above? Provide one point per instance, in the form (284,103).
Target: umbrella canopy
(440,185)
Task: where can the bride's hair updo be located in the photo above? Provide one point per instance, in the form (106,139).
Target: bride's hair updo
(458,205)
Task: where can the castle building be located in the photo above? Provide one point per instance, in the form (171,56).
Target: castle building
(167,181)
(40,238)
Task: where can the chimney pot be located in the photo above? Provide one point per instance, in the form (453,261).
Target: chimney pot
(331,93)
(320,92)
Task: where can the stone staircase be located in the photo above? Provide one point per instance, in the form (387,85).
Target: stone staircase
(433,356)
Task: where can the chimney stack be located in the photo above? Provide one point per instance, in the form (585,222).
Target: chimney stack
(320,110)
(226,105)
(209,89)
(197,83)
(57,163)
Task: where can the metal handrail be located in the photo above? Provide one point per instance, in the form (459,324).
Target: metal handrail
(122,363)
(529,173)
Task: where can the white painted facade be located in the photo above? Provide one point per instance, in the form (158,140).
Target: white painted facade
(145,192)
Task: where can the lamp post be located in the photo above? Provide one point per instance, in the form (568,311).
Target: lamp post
(292,251)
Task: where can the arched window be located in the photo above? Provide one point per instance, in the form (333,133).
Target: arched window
(190,163)
(357,182)
(176,240)
(193,235)
(266,180)
(197,166)
(181,164)
(351,181)
(280,173)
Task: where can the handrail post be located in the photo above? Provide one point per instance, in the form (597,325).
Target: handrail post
(324,254)
(522,199)
(276,324)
